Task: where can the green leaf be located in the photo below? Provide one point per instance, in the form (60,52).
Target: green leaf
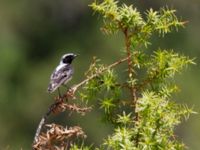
(107,104)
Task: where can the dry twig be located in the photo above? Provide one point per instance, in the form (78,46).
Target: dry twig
(57,136)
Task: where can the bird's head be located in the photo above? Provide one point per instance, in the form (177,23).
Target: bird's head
(67,58)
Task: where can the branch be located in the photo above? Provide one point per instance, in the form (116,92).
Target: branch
(130,68)
(132,88)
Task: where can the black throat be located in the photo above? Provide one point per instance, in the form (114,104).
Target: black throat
(68,59)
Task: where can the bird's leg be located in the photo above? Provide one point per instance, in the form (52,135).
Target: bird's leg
(68,89)
(59,93)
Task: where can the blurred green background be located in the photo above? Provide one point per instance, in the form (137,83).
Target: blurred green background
(34,35)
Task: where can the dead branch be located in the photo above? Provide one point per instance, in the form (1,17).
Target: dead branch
(59,135)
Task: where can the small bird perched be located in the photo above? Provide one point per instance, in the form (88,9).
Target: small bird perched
(62,74)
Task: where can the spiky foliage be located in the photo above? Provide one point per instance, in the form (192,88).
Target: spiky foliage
(141,107)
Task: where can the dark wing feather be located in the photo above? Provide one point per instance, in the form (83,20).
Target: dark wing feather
(59,77)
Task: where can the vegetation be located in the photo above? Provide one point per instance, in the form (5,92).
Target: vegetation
(140,106)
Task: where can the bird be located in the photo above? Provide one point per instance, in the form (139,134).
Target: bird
(62,73)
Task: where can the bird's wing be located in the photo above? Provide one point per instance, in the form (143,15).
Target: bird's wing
(59,76)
